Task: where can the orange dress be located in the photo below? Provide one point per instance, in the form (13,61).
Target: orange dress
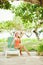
(17,43)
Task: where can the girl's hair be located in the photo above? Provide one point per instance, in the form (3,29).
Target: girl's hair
(16,34)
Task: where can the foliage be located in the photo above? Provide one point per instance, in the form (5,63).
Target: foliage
(30,44)
(5,4)
(27,17)
(31,16)
(9,25)
(29,13)
(40,48)
(2,40)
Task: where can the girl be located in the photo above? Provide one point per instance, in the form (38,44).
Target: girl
(18,45)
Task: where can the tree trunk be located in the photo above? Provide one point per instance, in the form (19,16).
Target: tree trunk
(35,31)
(32,1)
(35,1)
(41,2)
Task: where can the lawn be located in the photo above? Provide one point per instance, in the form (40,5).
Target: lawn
(30,44)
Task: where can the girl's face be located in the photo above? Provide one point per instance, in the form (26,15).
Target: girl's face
(16,34)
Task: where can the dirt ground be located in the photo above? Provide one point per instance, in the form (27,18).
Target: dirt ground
(21,60)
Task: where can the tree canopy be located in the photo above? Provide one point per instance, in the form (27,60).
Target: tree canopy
(27,17)
(31,16)
(29,13)
(5,4)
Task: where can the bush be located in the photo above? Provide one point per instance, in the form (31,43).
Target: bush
(5,5)
(40,50)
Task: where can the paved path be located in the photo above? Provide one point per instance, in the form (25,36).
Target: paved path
(21,60)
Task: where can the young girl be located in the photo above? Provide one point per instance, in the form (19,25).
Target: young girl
(18,45)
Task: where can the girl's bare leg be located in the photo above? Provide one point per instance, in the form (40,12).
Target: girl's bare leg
(20,51)
(26,50)
(22,47)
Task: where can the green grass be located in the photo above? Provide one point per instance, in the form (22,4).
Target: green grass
(2,44)
(30,44)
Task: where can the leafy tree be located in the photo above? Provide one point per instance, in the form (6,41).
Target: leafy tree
(5,4)
(27,17)
(9,25)
(30,15)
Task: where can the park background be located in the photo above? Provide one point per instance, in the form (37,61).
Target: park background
(22,16)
